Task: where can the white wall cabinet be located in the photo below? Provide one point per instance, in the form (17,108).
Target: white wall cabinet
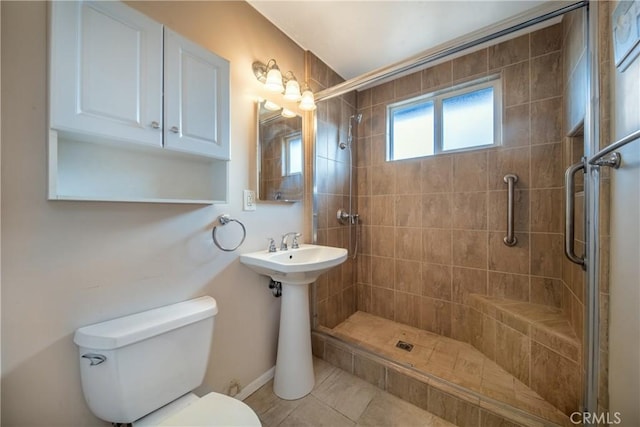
(196,98)
(147,108)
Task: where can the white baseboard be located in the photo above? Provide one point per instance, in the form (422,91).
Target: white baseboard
(254,385)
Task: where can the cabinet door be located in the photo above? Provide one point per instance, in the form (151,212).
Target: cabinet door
(106,72)
(196,99)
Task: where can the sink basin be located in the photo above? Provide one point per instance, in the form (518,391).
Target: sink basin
(295,266)
(294,269)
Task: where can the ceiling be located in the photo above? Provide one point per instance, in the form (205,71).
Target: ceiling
(355,37)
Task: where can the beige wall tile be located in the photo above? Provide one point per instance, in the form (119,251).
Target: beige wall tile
(546,76)
(508,161)
(488,343)
(408,210)
(497,211)
(437,174)
(382,303)
(369,370)
(382,241)
(408,173)
(378,150)
(382,272)
(383,179)
(513,352)
(408,276)
(469,248)
(509,52)
(408,389)
(516,84)
(546,40)
(469,65)
(408,242)
(407,309)
(546,166)
(435,316)
(338,356)
(378,119)
(408,85)
(546,121)
(382,93)
(509,259)
(510,286)
(382,210)
(546,291)
(436,210)
(546,254)
(555,378)
(470,171)
(363,298)
(467,281)
(516,126)
(436,281)
(546,212)
(470,211)
(437,76)
(436,246)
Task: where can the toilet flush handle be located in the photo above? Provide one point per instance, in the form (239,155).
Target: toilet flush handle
(95,359)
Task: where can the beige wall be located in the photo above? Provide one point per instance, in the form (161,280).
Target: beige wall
(624,326)
(68,264)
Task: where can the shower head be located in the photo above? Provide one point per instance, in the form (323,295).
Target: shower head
(354,118)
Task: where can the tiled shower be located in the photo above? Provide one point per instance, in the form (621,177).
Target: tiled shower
(430,236)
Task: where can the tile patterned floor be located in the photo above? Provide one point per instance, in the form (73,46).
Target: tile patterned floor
(448,359)
(339,399)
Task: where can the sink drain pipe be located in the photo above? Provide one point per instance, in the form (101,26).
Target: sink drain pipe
(276,288)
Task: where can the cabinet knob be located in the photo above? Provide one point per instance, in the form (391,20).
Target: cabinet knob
(155,125)
(174,129)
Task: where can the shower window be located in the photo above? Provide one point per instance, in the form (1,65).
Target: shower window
(292,155)
(461,118)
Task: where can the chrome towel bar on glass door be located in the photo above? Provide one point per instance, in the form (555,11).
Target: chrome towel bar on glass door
(607,157)
(569,221)
(510,179)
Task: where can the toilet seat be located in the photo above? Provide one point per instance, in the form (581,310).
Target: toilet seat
(214,409)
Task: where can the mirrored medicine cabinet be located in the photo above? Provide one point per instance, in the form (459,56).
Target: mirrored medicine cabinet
(280,154)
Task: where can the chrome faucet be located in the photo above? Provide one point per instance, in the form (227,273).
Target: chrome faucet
(294,244)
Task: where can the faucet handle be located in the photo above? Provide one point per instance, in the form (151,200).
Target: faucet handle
(272,244)
(295,244)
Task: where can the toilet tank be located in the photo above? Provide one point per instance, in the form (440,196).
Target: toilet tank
(133,365)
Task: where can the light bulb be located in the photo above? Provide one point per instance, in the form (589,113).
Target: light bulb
(307,103)
(292,90)
(274,80)
(287,113)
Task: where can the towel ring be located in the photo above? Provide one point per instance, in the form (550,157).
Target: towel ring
(224,220)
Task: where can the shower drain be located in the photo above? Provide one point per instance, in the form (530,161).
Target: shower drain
(404,346)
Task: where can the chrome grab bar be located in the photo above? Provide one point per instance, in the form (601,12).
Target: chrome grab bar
(569,223)
(510,179)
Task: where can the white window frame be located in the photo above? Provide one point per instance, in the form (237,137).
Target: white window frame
(493,81)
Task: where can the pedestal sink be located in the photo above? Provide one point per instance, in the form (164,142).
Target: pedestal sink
(295,269)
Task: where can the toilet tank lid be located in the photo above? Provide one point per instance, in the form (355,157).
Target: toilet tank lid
(126,330)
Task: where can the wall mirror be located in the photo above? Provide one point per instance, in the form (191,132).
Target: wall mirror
(280,154)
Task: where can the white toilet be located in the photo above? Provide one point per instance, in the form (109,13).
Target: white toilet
(142,368)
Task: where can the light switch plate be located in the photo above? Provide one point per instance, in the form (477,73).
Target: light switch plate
(248,200)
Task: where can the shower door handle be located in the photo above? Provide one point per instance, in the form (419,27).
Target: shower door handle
(569,220)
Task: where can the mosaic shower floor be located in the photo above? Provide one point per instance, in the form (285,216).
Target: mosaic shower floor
(445,358)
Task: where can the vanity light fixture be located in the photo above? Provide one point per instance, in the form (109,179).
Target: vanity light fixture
(271,106)
(269,74)
(292,88)
(287,113)
(307,103)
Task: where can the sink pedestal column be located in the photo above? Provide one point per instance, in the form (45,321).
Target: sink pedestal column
(294,363)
